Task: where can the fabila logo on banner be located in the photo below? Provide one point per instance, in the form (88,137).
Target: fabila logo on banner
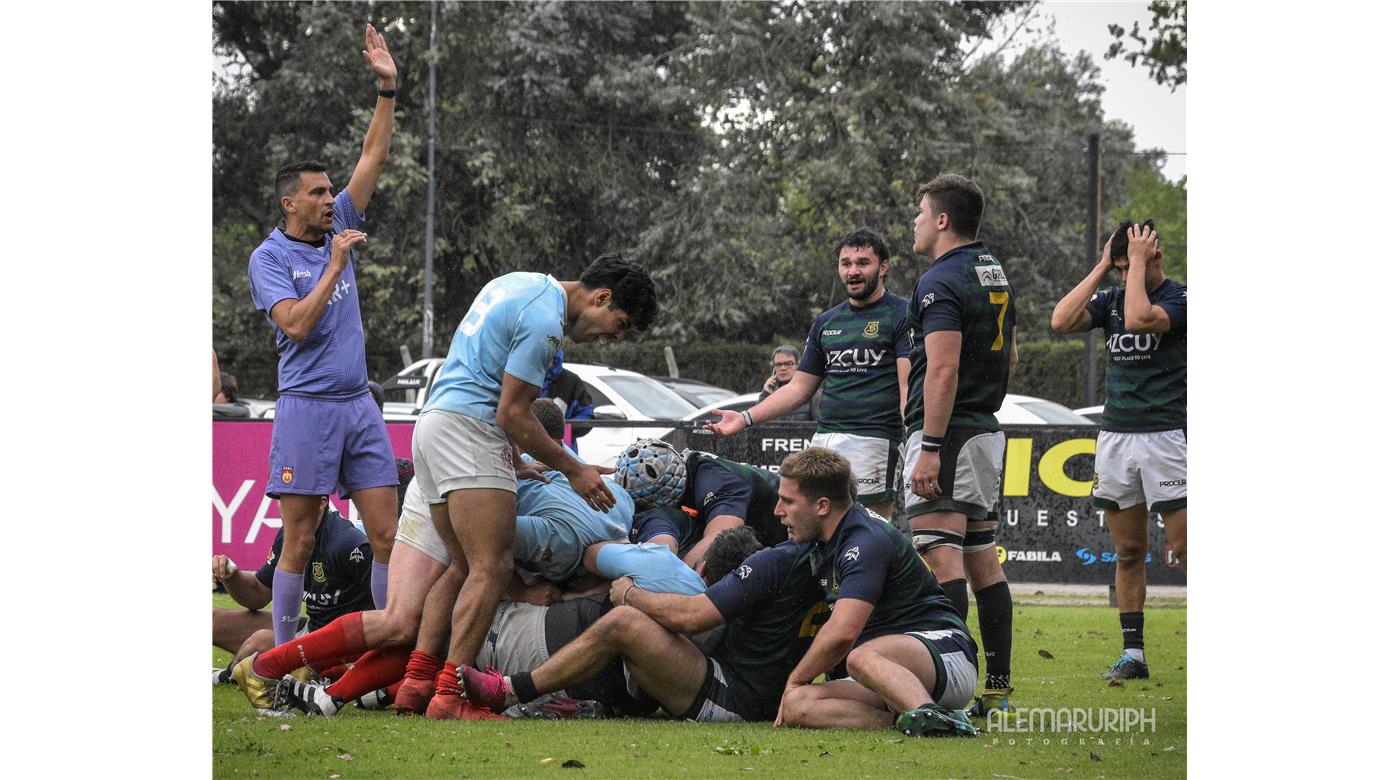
(1051,468)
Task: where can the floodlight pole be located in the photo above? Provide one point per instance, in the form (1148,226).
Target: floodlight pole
(432,153)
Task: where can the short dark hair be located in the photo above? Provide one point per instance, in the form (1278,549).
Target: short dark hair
(289,178)
(861,238)
(728,550)
(631,286)
(228,385)
(1118,242)
(819,473)
(550,416)
(960,198)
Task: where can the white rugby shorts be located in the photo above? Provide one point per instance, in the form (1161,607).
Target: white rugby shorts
(970,475)
(455,452)
(874,462)
(416,526)
(1136,468)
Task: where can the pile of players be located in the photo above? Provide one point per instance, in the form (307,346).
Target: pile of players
(519,579)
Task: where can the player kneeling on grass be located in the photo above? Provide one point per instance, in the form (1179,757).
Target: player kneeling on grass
(767,602)
(909,652)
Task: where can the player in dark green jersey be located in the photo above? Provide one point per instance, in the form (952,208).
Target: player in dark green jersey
(963,332)
(1140,461)
(858,354)
(771,604)
(909,651)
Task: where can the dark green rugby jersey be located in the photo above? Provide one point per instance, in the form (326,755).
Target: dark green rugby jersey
(1146,372)
(773,606)
(854,350)
(716,486)
(871,560)
(964,290)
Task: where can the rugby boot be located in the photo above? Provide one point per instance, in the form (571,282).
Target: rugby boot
(305,697)
(557,706)
(261,691)
(445,706)
(1126,668)
(413,696)
(223,675)
(307,675)
(485,689)
(991,699)
(933,721)
(375,700)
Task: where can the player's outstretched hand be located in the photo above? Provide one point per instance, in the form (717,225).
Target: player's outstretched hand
(1142,245)
(619,589)
(924,480)
(341,243)
(728,424)
(588,482)
(378,57)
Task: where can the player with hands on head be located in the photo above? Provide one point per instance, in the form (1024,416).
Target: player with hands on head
(1140,458)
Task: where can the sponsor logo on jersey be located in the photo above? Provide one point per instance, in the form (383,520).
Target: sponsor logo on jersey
(991,275)
(1129,343)
(318,571)
(850,358)
(744,572)
(872,329)
(926,300)
(301,275)
(286,475)
(836,332)
(852,554)
(709,498)
(357,555)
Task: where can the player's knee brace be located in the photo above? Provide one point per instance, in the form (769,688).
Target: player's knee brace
(926,539)
(980,539)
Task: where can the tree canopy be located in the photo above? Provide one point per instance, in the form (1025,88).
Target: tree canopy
(726,146)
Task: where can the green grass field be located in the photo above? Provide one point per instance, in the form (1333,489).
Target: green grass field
(1082,641)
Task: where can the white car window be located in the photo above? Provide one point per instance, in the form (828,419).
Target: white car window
(649,396)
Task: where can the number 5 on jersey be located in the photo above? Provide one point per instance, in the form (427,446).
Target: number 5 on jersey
(484,303)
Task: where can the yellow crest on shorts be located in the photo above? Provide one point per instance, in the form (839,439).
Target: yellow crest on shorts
(318,572)
(286,475)
(872,329)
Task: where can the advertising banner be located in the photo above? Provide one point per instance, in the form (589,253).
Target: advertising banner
(245,519)
(1049,529)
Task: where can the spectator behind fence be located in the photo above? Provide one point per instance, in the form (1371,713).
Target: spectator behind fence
(784,369)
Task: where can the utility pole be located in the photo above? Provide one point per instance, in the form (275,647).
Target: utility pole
(432,185)
(1091,344)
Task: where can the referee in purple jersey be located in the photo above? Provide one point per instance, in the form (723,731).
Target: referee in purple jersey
(328,431)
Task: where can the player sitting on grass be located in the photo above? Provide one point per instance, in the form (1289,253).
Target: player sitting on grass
(722,493)
(337,583)
(905,647)
(769,604)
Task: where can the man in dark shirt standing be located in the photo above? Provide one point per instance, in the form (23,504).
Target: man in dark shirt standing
(1140,461)
(909,651)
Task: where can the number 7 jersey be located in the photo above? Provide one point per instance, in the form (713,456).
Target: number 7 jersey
(965,290)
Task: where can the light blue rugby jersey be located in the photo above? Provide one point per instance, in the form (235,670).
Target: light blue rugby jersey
(554,525)
(514,326)
(652,567)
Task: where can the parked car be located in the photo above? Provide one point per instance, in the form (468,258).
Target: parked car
(618,394)
(738,403)
(1029,410)
(1094,413)
(693,390)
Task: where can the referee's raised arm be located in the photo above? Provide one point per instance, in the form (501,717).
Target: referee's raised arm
(375,152)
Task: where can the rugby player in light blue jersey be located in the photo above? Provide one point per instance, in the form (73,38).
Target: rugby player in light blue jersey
(477,420)
(327,431)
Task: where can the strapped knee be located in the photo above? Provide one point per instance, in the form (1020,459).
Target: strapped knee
(926,539)
(980,539)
